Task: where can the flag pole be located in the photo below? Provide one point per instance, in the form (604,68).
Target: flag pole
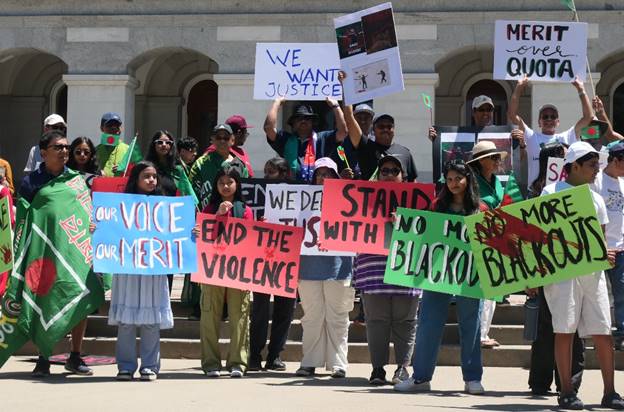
(130,150)
(589,73)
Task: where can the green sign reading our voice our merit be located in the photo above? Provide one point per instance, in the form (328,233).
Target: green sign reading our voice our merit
(431,251)
(537,242)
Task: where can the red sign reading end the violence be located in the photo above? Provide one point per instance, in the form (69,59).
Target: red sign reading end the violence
(357,215)
(248,255)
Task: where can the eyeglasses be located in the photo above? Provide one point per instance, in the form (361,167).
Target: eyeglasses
(550,117)
(59,147)
(387,171)
(163,142)
(85,152)
(487,109)
(495,158)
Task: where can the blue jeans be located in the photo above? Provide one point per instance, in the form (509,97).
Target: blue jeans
(125,350)
(616,277)
(431,321)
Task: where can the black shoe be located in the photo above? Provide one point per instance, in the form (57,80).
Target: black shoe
(612,401)
(76,365)
(540,391)
(378,377)
(42,368)
(570,401)
(254,365)
(275,365)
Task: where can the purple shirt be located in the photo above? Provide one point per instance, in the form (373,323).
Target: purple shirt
(368,275)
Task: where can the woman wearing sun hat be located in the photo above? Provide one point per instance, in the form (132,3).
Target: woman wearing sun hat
(486,160)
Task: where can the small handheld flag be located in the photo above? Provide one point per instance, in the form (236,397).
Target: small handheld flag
(342,155)
(109,139)
(569,4)
(132,155)
(426,100)
(590,132)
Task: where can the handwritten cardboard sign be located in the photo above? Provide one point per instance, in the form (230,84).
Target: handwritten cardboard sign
(357,215)
(297,71)
(554,170)
(543,50)
(298,205)
(248,255)
(537,242)
(431,251)
(143,235)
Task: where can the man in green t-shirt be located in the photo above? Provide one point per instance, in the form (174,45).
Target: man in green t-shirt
(111,149)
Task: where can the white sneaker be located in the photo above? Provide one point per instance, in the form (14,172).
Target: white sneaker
(474,387)
(236,372)
(213,373)
(410,385)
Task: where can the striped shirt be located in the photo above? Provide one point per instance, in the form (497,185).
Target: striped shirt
(368,275)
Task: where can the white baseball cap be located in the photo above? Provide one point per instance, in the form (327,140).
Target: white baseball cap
(54,119)
(578,150)
(481,100)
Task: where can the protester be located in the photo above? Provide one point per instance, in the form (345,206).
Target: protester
(610,135)
(6,175)
(543,366)
(326,299)
(364,115)
(54,153)
(283,307)
(582,304)
(548,123)
(304,145)
(390,310)
(112,149)
(140,301)
(610,185)
(82,156)
(205,168)
(187,149)
(459,196)
(225,200)
(52,122)
(239,130)
(486,160)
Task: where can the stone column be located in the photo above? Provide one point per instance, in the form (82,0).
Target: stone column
(89,96)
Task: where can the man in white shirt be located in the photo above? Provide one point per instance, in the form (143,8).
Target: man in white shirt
(582,303)
(52,122)
(610,185)
(548,123)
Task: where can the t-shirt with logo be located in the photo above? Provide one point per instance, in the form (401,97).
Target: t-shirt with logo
(612,191)
(534,140)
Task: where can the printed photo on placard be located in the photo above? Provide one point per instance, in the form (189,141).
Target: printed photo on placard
(379,32)
(371,76)
(503,144)
(350,40)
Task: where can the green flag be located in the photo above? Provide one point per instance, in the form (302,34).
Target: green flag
(426,100)
(184,184)
(569,4)
(52,286)
(6,245)
(590,132)
(109,139)
(132,155)
(512,192)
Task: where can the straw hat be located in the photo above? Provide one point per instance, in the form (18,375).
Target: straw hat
(484,149)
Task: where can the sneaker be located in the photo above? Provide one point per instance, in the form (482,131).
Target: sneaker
(124,376)
(148,375)
(236,372)
(474,387)
(212,373)
(378,376)
(612,401)
(275,365)
(42,368)
(570,401)
(305,371)
(410,385)
(76,365)
(338,373)
(400,375)
(254,365)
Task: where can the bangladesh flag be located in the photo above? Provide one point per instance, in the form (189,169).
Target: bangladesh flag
(52,286)
(512,192)
(109,139)
(133,155)
(590,132)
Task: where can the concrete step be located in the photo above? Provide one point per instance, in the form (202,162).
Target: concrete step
(449,355)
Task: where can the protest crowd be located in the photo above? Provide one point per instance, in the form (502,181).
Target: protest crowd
(96,214)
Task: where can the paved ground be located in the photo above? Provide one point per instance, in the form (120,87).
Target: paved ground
(181,387)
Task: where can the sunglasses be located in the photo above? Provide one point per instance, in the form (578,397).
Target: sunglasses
(59,147)
(496,157)
(485,109)
(85,152)
(550,117)
(163,142)
(387,171)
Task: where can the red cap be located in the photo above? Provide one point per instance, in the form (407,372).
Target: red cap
(237,122)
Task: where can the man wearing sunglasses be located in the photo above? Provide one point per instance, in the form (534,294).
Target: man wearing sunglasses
(52,122)
(548,122)
(239,127)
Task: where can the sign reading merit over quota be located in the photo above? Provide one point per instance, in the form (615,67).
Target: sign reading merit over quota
(543,50)
(357,214)
(297,71)
(248,255)
(537,242)
(298,205)
(143,235)
(431,251)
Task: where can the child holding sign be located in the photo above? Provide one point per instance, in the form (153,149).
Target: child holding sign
(228,200)
(140,301)
(460,196)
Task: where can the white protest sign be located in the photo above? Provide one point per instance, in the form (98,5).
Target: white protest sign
(297,71)
(298,205)
(369,54)
(554,170)
(546,51)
